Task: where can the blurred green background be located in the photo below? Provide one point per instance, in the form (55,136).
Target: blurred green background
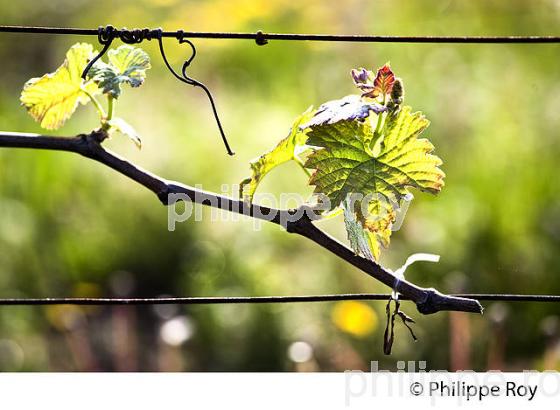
(71,227)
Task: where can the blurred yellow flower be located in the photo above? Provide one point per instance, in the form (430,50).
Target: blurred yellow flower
(355,318)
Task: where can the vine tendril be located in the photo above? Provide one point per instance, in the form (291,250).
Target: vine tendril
(106,35)
(184,77)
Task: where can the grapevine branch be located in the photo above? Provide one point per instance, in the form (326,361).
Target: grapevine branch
(427,300)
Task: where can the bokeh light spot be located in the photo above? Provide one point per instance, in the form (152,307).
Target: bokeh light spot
(300,352)
(176,331)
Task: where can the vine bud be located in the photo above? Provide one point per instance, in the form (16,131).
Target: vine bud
(397,93)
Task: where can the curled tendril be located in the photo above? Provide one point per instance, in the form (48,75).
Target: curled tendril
(184,77)
(107,34)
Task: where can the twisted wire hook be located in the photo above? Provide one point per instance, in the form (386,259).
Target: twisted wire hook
(191,81)
(106,35)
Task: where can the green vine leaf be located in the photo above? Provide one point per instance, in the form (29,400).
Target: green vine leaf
(346,167)
(344,164)
(127,65)
(359,239)
(369,231)
(283,152)
(53,98)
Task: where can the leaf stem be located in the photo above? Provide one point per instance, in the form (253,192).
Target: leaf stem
(105,121)
(95,102)
(381,118)
(110,107)
(380,122)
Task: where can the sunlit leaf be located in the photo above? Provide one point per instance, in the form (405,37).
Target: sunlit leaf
(53,98)
(120,125)
(351,107)
(384,80)
(285,151)
(345,165)
(127,65)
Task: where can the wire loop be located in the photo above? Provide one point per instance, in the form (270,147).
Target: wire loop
(106,35)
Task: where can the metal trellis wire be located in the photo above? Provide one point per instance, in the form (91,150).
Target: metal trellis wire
(262,38)
(260,299)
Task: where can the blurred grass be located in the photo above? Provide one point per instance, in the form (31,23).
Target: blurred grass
(70,227)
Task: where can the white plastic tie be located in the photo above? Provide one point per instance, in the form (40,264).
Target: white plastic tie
(399,273)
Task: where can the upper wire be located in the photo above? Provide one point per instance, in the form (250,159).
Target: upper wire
(261,38)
